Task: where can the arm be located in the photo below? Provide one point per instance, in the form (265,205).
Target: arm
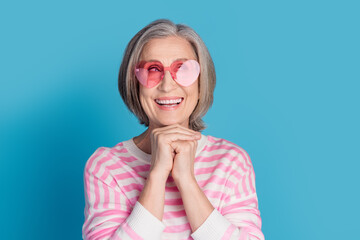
(239,217)
(153,195)
(197,205)
(108,212)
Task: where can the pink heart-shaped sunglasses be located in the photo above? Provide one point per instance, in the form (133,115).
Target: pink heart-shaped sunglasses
(185,73)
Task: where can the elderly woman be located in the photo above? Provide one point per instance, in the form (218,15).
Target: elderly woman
(170,182)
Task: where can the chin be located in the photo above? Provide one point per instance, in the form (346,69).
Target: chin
(170,122)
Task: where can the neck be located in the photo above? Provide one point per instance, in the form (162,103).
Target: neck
(143,141)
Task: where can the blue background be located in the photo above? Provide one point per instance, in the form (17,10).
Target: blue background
(287,92)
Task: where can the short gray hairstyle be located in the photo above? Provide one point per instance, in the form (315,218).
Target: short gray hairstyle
(129,86)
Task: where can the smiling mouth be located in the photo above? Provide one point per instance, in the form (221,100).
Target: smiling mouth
(169,102)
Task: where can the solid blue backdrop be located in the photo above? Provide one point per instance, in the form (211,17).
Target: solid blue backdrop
(287,92)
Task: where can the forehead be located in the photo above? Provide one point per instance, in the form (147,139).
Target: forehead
(167,50)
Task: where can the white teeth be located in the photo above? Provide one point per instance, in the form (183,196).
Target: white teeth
(172,101)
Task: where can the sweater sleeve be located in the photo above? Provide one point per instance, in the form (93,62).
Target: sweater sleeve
(108,212)
(239,217)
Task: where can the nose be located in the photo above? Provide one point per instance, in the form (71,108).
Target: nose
(167,83)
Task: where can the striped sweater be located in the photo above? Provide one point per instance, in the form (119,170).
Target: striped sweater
(114,178)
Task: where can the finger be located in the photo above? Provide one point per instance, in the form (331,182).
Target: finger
(172,133)
(185,143)
(197,135)
(180,146)
(176,127)
(171,137)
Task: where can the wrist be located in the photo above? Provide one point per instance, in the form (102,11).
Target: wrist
(185,182)
(157,177)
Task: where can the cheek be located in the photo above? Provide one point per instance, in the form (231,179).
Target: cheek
(144,97)
(195,91)
(193,97)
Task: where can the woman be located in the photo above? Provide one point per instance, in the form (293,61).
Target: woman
(170,182)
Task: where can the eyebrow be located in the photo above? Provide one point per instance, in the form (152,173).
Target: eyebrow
(178,59)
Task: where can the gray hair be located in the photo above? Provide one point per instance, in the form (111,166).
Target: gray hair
(129,86)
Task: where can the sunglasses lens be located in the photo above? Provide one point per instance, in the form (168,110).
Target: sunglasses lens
(187,73)
(149,74)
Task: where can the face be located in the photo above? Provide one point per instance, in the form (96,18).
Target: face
(168,102)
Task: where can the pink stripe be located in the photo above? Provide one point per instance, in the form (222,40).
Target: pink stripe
(127,159)
(237,192)
(106,198)
(220,166)
(252,185)
(99,232)
(117,199)
(217,180)
(129,174)
(219,157)
(170,179)
(130,232)
(106,234)
(243,181)
(171,189)
(174,214)
(116,219)
(98,153)
(252,211)
(221,147)
(117,165)
(251,230)
(212,158)
(100,163)
(172,202)
(97,194)
(98,215)
(142,168)
(116,212)
(121,164)
(116,237)
(246,203)
(87,169)
(133,186)
(229,232)
(96,182)
(211,139)
(121,150)
(178,228)
(120,144)
(113,183)
(133,200)
(259,222)
(105,175)
(215,194)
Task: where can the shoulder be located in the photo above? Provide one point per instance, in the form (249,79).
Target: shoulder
(104,157)
(228,151)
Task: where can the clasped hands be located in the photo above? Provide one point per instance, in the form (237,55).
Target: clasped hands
(173,151)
